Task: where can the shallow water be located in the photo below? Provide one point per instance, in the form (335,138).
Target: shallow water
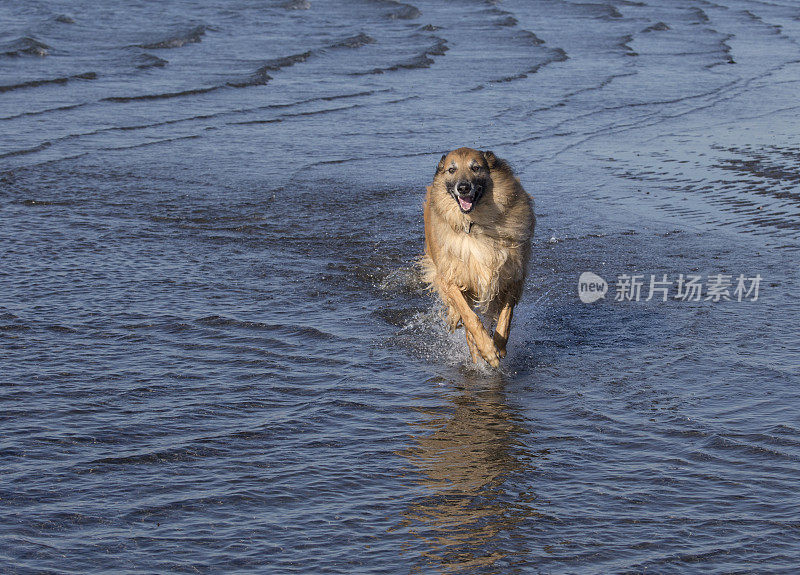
(217,353)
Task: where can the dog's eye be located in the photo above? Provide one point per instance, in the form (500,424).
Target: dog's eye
(476,168)
(452,170)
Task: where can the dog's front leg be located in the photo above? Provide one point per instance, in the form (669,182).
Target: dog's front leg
(473,325)
(503,329)
(473,350)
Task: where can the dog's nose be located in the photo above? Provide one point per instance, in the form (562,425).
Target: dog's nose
(463,187)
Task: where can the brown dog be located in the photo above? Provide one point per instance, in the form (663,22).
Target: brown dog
(478,227)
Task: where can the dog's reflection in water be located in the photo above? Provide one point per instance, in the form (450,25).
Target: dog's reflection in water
(471,459)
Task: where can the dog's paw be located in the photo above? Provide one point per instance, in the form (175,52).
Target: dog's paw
(491,357)
(500,344)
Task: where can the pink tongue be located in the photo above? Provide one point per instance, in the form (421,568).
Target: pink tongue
(465,204)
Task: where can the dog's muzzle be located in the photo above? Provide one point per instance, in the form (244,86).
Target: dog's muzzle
(467,194)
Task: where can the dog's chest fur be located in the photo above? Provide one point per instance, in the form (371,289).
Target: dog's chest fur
(480,264)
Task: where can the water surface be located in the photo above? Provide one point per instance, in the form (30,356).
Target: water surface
(218,357)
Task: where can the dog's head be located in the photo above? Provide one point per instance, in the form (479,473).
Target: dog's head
(466,175)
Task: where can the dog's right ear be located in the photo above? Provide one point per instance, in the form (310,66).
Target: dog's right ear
(440,165)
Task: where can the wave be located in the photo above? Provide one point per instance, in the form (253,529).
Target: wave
(153,143)
(261,76)
(766,172)
(44,111)
(191,36)
(164,96)
(699,14)
(555,55)
(422,60)
(44,82)
(402,11)
(24,46)
(530,38)
(297,5)
(31,203)
(144,61)
(753,188)
(58,141)
(175,454)
(39,148)
(218,321)
(356,41)
(297,115)
(657,27)
(601,11)
(624,45)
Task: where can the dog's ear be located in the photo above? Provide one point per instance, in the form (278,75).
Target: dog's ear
(491,159)
(440,165)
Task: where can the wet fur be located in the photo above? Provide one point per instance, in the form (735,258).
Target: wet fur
(485,268)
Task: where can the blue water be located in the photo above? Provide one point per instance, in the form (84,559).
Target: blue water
(217,356)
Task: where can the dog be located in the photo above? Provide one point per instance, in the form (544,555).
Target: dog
(479,222)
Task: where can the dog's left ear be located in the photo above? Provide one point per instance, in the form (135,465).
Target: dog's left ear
(440,165)
(491,159)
